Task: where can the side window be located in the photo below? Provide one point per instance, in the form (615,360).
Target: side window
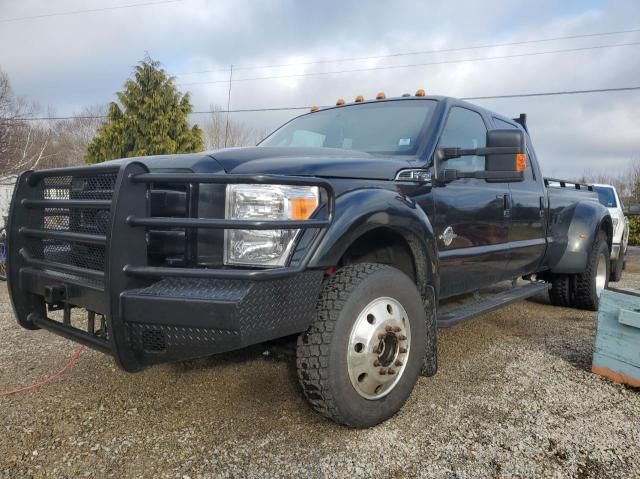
(529,174)
(464,129)
(504,125)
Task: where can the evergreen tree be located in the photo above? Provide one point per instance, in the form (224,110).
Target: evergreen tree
(150,119)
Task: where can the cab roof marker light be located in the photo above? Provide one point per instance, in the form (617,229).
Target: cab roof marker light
(359,99)
(340,101)
(420,92)
(314,108)
(405,95)
(380,96)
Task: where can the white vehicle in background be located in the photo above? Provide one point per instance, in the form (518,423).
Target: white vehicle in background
(608,197)
(7,183)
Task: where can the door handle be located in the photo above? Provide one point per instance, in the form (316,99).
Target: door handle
(506,203)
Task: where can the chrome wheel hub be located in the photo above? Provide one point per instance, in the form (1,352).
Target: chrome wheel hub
(378,348)
(601,275)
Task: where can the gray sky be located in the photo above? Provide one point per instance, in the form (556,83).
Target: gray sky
(73,61)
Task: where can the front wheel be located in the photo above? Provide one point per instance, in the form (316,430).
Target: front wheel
(360,359)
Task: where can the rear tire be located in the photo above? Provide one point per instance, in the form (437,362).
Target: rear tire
(617,265)
(590,284)
(561,291)
(341,356)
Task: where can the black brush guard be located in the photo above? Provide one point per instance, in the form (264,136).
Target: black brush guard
(78,238)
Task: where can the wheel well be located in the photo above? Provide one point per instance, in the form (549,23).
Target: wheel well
(385,246)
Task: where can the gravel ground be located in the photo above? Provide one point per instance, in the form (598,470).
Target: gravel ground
(514,397)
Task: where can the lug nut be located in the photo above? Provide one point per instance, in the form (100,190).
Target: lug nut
(382,371)
(402,337)
(403,350)
(376,363)
(397,329)
(398,363)
(388,329)
(392,371)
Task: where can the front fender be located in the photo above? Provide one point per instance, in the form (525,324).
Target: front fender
(360,211)
(573,232)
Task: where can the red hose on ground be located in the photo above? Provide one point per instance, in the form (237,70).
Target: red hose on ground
(70,362)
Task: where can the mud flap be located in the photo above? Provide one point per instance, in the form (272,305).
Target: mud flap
(430,360)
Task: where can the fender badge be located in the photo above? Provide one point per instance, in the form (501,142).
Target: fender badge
(448,236)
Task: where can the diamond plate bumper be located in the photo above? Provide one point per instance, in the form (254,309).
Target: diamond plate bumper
(181,318)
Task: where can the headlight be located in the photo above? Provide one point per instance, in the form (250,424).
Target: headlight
(264,203)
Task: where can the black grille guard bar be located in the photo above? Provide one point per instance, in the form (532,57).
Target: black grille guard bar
(125,263)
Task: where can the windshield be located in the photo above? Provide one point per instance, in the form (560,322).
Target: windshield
(390,127)
(606,196)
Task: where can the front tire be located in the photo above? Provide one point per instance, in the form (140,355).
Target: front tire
(360,359)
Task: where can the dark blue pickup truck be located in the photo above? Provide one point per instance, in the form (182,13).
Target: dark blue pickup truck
(347,226)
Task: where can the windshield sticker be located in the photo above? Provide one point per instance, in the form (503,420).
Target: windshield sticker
(404,141)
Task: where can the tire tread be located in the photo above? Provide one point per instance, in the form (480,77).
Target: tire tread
(584,296)
(312,353)
(560,291)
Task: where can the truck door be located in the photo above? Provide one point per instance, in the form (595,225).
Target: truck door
(470,221)
(527,227)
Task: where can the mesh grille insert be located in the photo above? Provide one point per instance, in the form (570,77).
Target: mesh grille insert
(75,254)
(99,187)
(153,340)
(75,220)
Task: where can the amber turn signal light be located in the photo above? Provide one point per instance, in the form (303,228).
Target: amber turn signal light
(359,99)
(302,208)
(521,162)
(420,92)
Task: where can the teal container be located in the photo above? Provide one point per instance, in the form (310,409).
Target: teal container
(617,349)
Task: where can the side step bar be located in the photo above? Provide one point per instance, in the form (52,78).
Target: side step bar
(473,309)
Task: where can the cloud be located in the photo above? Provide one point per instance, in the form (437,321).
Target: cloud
(74,61)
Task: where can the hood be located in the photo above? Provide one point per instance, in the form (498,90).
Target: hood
(321,162)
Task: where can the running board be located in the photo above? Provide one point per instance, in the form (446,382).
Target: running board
(496,301)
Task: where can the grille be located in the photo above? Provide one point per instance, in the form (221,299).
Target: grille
(99,187)
(75,219)
(72,253)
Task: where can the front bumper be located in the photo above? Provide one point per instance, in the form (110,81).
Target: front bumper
(139,312)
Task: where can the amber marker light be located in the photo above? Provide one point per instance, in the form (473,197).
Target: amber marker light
(521,162)
(420,92)
(339,101)
(380,96)
(302,208)
(314,108)
(359,99)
